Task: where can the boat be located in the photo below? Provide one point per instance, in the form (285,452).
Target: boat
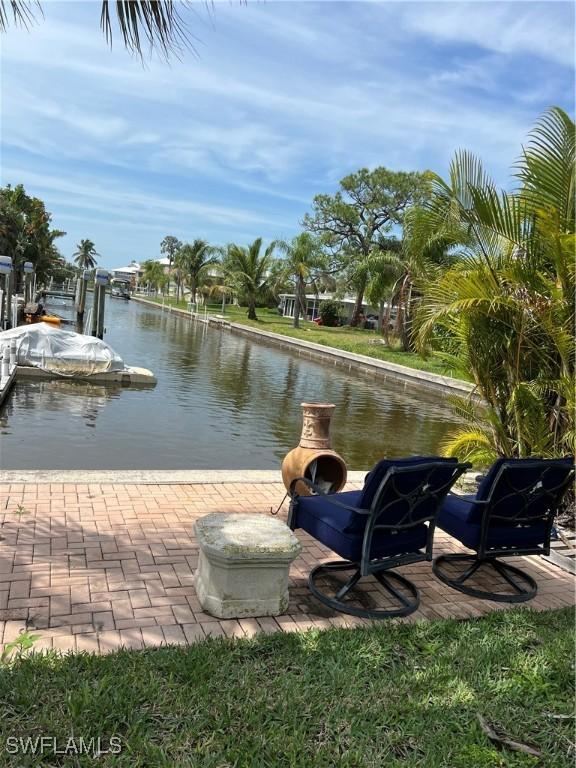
(44,351)
(63,352)
(119,289)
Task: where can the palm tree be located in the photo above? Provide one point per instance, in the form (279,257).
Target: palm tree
(303,257)
(194,259)
(248,267)
(508,302)
(85,255)
(153,274)
(398,274)
(170,245)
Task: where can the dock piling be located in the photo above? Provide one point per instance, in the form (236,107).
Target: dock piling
(80,299)
(5,367)
(101,280)
(6,286)
(29,275)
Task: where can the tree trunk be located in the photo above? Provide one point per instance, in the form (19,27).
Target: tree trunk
(300,303)
(192,289)
(358,306)
(252,308)
(380,326)
(385,322)
(406,333)
(406,330)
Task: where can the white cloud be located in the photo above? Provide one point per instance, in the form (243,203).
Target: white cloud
(116,199)
(95,125)
(509,28)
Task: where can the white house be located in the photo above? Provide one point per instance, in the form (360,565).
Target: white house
(132,273)
(288,304)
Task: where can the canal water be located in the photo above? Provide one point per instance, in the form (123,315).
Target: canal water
(221,402)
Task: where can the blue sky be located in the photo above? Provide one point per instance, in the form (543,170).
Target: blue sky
(281,101)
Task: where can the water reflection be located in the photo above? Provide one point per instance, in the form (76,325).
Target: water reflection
(221,402)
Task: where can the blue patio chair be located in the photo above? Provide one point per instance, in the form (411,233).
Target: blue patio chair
(511,514)
(390,522)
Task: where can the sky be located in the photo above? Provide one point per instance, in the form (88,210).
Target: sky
(277,103)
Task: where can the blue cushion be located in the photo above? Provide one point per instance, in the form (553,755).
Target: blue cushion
(329,524)
(459,517)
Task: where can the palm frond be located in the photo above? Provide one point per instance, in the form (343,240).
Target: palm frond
(547,168)
(473,446)
(155,24)
(18,12)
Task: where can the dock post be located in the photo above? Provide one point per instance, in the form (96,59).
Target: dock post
(9,294)
(101,279)
(13,353)
(5,368)
(81,285)
(101,308)
(94,314)
(5,277)
(28,282)
(14,312)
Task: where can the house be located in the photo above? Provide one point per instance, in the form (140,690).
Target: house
(287,305)
(132,273)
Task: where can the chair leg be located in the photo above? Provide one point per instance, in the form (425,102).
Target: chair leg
(524,586)
(350,584)
(404,604)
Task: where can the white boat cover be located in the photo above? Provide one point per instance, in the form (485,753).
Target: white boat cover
(58,351)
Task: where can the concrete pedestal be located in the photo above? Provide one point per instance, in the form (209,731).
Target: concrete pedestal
(243,565)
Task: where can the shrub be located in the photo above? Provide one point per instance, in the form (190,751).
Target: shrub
(330,313)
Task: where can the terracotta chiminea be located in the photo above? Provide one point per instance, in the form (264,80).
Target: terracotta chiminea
(313,458)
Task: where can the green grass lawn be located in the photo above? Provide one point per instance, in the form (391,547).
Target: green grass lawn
(391,695)
(346,338)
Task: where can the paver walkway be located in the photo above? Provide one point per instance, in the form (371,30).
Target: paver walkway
(93,567)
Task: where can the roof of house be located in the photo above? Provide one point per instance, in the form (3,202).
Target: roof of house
(131,269)
(135,267)
(348,299)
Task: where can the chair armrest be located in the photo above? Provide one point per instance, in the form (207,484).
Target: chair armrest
(319,492)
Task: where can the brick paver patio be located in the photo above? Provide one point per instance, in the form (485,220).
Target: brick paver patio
(97,566)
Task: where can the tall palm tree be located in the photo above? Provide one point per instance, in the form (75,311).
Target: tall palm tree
(170,245)
(303,257)
(194,259)
(85,255)
(508,302)
(248,267)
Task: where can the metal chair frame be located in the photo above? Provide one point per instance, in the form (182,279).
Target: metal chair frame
(524,586)
(380,567)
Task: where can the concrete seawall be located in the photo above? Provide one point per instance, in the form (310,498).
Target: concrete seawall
(360,365)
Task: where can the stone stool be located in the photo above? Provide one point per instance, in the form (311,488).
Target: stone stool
(243,564)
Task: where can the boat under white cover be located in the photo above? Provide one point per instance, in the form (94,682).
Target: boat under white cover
(60,352)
